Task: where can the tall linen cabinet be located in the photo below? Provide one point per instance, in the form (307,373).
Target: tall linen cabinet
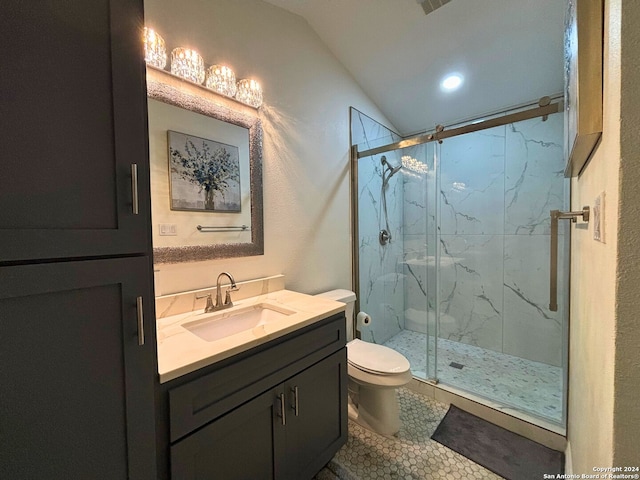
(78,363)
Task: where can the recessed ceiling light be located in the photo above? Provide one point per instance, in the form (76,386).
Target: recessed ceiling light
(451,82)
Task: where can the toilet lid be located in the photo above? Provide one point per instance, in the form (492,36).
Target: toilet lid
(376,358)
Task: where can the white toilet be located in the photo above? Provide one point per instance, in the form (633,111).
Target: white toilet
(375,372)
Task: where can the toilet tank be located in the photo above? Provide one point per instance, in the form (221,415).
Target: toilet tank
(344,296)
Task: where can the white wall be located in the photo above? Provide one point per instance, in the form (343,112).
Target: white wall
(604,417)
(626,423)
(593,273)
(306,124)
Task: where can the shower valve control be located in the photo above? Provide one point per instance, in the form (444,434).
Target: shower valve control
(384,237)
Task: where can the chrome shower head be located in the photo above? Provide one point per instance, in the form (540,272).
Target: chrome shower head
(389,168)
(394,170)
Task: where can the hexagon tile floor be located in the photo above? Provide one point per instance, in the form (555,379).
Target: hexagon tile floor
(410,455)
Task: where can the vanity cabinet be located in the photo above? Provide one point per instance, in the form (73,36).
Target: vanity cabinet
(276,412)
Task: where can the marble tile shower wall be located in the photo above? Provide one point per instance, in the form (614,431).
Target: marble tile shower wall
(496,189)
(381,277)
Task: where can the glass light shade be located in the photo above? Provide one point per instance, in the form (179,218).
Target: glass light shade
(188,64)
(221,79)
(155,52)
(249,92)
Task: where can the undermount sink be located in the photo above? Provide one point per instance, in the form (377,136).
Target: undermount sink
(215,326)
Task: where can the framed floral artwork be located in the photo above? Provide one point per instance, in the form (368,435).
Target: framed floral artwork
(204,174)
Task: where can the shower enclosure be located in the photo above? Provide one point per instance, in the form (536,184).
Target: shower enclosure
(452,256)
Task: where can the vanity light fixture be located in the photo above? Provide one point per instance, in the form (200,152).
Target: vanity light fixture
(221,79)
(155,51)
(249,92)
(188,64)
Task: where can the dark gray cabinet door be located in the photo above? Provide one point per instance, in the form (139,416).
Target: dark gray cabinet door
(244,444)
(317,416)
(76,388)
(73,121)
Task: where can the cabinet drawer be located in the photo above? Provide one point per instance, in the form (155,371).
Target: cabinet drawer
(247,375)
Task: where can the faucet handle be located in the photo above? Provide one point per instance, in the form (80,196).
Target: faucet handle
(209,307)
(227,297)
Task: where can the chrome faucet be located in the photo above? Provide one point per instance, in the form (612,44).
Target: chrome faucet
(227,299)
(220,305)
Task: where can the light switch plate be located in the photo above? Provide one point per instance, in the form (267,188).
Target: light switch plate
(168,229)
(598,218)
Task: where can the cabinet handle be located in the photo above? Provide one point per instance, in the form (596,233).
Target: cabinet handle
(134,188)
(140,321)
(283,413)
(294,390)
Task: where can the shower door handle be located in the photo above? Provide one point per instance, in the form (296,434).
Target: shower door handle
(553,263)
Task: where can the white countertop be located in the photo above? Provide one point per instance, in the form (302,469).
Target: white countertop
(181,351)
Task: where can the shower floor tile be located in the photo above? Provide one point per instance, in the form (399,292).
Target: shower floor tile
(411,454)
(532,387)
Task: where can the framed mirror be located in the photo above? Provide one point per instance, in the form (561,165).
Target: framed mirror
(205,152)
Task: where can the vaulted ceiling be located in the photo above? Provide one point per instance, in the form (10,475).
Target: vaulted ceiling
(508,51)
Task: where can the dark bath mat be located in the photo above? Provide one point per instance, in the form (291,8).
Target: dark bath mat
(501,451)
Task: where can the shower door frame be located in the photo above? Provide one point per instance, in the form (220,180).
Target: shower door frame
(546,106)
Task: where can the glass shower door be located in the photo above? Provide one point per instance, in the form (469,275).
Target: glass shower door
(497,337)
(397,277)
(418,264)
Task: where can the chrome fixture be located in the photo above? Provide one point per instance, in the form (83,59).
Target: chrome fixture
(209,308)
(220,305)
(205,228)
(388,168)
(384,236)
(553,258)
(227,299)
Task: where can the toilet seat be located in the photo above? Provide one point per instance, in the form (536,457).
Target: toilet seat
(376,359)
